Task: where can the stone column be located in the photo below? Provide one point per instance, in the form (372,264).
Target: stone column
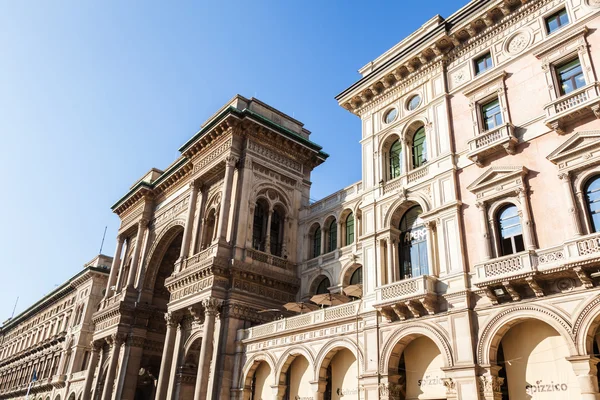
(112,278)
(432,269)
(338,236)
(526,220)
(120,276)
(211,308)
(230,162)
(268,233)
(139,242)
(395,260)
(585,369)
(89,374)
(485,233)
(177,356)
(165,366)
(389,261)
(575,228)
(115,342)
(323,234)
(189,223)
(490,385)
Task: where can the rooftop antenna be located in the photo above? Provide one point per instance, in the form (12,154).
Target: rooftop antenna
(103,236)
(14,308)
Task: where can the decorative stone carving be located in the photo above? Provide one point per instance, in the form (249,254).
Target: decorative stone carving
(518,42)
(593,3)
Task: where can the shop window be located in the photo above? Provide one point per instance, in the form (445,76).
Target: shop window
(592,196)
(316,242)
(323,286)
(556,21)
(395,159)
(332,245)
(570,76)
(350,229)
(413,245)
(491,114)
(511,231)
(419,148)
(483,63)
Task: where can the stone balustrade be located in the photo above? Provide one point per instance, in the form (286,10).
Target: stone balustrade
(486,143)
(581,101)
(304,321)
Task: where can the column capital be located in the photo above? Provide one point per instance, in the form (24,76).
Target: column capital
(231,160)
(564,176)
(143,223)
(121,238)
(480,205)
(116,339)
(195,184)
(521,191)
(96,346)
(172,319)
(211,306)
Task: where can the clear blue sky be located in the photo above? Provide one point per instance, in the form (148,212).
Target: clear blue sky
(93,94)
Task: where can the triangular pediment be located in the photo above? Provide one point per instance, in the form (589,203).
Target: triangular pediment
(575,145)
(498,176)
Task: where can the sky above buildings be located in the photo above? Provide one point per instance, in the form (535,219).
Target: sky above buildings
(94,94)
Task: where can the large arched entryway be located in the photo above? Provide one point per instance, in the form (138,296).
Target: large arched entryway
(415,369)
(532,357)
(160,266)
(258,381)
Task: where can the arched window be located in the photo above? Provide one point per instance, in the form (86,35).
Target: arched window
(323,286)
(350,229)
(395,159)
(413,245)
(356,278)
(316,242)
(511,232)
(259,226)
(419,148)
(276,232)
(592,195)
(209,229)
(332,236)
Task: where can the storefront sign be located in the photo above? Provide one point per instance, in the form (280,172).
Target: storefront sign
(541,387)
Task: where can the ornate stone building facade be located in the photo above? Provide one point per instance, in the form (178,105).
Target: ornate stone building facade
(474,232)
(52,338)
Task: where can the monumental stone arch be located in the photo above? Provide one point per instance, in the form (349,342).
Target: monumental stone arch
(295,372)
(586,328)
(158,249)
(413,359)
(516,340)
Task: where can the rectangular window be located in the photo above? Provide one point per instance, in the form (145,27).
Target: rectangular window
(570,76)
(491,115)
(557,21)
(483,63)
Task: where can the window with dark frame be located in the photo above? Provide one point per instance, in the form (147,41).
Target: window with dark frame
(316,247)
(592,196)
(570,76)
(483,63)
(419,148)
(491,115)
(511,231)
(395,155)
(556,21)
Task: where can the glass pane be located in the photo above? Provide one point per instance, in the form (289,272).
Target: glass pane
(414,102)
(519,245)
(322,287)
(317,243)
(483,63)
(411,219)
(507,247)
(350,229)
(395,155)
(356,277)
(333,235)
(418,148)
(423,258)
(391,115)
(557,20)
(593,200)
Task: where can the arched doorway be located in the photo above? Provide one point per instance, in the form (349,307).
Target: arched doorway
(260,387)
(296,378)
(532,356)
(415,369)
(340,372)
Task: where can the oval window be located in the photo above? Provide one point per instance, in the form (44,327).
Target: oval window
(390,116)
(413,102)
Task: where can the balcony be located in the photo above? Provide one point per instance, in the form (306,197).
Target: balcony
(513,275)
(305,321)
(492,141)
(270,259)
(585,100)
(411,297)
